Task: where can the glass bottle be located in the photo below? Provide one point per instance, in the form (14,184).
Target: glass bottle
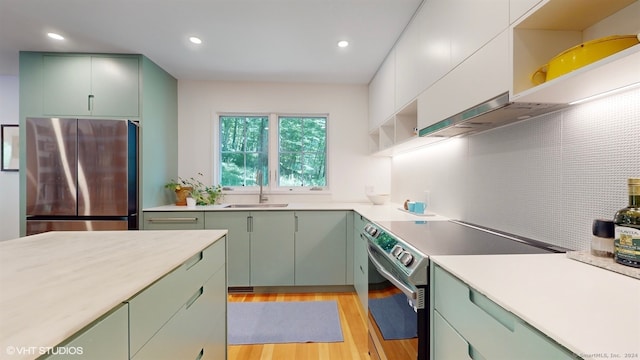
(627,228)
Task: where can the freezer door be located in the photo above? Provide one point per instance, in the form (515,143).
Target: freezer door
(40,226)
(102,168)
(51,166)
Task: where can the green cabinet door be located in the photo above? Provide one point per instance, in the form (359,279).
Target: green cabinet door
(66,85)
(272,248)
(83,85)
(360,261)
(115,86)
(321,248)
(238,243)
(106,339)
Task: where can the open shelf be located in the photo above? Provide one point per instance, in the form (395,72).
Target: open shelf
(555,26)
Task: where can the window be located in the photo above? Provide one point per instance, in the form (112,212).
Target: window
(291,150)
(302,159)
(244,144)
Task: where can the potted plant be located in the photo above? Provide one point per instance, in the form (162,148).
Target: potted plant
(196,189)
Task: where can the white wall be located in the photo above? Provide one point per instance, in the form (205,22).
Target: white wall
(9,183)
(350,167)
(546,178)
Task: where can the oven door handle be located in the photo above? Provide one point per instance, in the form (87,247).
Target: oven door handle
(399,284)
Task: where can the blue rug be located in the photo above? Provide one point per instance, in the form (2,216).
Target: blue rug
(395,317)
(275,322)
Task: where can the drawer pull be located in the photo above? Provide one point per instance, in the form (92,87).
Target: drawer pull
(474,354)
(490,308)
(174,220)
(200,355)
(194,260)
(195,297)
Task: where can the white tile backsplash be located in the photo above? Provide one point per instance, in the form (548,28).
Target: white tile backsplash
(545,178)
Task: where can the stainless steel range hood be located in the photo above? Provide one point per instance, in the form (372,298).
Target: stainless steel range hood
(493,113)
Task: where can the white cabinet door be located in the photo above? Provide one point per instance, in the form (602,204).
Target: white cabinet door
(476,23)
(434,45)
(408,84)
(477,79)
(382,93)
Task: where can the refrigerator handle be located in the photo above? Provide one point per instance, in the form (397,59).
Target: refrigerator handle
(89,100)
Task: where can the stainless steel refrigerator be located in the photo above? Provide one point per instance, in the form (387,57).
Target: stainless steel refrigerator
(82,174)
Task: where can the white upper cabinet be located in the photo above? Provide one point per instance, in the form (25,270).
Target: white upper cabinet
(382,93)
(476,22)
(518,8)
(477,79)
(407,63)
(436,27)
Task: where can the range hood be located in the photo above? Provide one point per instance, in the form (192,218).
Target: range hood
(490,114)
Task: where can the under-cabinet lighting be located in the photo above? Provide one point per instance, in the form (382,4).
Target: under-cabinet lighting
(343,43)
(606,93)
(195,40)
(55,36)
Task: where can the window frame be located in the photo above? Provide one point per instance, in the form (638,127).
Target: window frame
(273,156)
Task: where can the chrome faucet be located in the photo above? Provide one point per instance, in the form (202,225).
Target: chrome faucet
(259,180)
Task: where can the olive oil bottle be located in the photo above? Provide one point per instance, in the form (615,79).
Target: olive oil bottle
(627,228)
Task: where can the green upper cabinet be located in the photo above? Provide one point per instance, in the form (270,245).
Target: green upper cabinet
(83,85)
(321,248)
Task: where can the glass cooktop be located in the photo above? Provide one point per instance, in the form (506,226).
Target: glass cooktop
(454,238)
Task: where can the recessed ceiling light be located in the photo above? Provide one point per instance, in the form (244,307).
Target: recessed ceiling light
(195,40)
(343,43)
(55,36)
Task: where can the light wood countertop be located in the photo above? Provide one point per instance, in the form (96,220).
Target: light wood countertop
(54,284)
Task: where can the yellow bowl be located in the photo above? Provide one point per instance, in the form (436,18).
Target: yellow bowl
(581,55)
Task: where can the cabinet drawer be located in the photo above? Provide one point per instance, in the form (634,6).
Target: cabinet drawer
(150,309)
(491,330)
(106,339)
(179,220)
(448,344)
(189,333)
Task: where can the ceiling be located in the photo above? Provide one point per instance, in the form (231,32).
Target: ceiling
(243,40)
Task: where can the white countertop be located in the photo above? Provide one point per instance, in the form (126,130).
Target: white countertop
(54,284)
(593,312)
(388,212)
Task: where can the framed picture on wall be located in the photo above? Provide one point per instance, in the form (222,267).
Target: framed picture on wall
(10,148)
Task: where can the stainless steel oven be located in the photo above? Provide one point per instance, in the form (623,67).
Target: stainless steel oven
(398,298)
(399,253)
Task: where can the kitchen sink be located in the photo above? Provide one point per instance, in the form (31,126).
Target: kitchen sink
(242,206)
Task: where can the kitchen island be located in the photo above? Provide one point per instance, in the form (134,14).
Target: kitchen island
(55,286)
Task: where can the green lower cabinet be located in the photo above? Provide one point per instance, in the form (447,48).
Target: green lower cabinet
(173,220)
(272,248)
(106,339)
(490,331)
(360,262)
(321,248)
(238,243)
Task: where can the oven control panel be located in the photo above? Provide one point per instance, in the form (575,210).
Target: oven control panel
(398,251)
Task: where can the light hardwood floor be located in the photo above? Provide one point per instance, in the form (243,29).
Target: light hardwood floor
(354,331)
